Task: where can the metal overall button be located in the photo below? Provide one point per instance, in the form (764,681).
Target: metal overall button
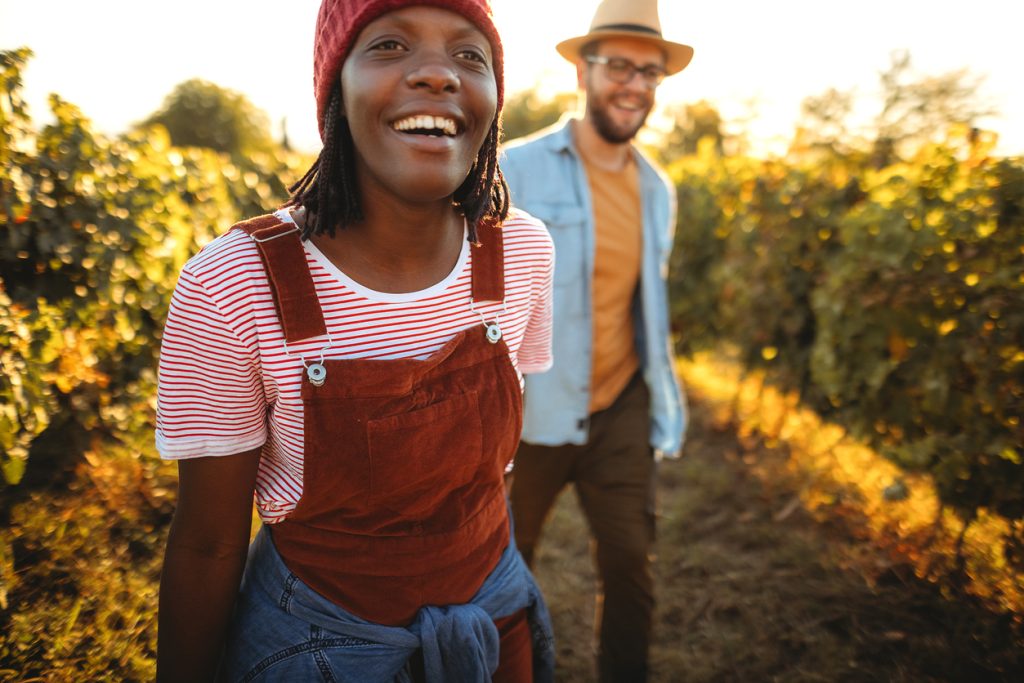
(317,374)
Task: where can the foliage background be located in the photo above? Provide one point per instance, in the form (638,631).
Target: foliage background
(889,298)
(95,231)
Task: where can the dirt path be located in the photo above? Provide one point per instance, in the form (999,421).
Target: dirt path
(752,589)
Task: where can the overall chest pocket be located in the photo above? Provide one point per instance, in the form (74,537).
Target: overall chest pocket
(417,459)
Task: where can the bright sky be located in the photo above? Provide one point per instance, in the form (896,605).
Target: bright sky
(118,59)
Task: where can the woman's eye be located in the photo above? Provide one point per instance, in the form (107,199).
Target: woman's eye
(387,46)
(472,55)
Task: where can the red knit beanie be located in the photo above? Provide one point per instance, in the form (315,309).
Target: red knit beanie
(340,21)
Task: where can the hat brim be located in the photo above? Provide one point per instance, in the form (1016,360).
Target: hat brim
(677,55)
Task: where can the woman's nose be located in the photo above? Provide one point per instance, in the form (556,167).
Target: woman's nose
(435,75)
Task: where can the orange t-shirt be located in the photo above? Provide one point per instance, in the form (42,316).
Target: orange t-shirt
(615,198)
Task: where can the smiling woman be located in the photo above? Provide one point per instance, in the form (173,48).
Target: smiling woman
(356,359)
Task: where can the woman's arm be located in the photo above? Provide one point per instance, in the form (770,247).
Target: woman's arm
(203,565)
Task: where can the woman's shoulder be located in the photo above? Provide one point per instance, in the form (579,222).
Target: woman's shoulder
(527,241)
(522,226)
(226,270)
(231,249)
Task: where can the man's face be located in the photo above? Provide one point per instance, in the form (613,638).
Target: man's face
(618,110)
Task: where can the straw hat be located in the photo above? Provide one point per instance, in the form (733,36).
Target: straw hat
(629,19)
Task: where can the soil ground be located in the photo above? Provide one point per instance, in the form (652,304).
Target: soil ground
(752,588)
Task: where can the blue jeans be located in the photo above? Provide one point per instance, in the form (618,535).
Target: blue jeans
(282,630)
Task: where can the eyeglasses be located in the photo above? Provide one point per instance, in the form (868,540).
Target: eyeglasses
(621,70)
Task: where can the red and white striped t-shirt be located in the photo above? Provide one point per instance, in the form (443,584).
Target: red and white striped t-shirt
(228,383)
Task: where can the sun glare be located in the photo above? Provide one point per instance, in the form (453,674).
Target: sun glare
(754,62)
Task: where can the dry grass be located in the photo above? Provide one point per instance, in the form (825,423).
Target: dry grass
(79,567)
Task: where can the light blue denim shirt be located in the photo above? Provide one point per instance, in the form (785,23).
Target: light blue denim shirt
(547,179)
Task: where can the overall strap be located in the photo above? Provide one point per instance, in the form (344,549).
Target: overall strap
(288,274)
(489,263)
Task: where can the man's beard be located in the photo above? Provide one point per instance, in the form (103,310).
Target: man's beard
(606,126)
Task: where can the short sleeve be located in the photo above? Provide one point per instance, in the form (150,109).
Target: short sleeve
(210,398)
(535,352)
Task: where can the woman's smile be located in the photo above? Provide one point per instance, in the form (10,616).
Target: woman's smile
(427,124)
(429,132)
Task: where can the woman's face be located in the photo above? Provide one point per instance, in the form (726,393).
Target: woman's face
(419,94)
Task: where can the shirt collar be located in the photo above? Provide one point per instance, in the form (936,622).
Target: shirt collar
(561,138)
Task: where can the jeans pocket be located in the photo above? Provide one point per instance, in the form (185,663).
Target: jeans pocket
(320,656)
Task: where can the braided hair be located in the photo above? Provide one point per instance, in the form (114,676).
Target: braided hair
(330,194)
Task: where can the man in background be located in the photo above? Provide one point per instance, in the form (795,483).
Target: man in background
(611,407)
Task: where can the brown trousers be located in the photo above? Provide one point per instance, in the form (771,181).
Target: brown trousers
(614,475)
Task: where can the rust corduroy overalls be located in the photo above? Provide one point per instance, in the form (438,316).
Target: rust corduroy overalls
(403,501)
